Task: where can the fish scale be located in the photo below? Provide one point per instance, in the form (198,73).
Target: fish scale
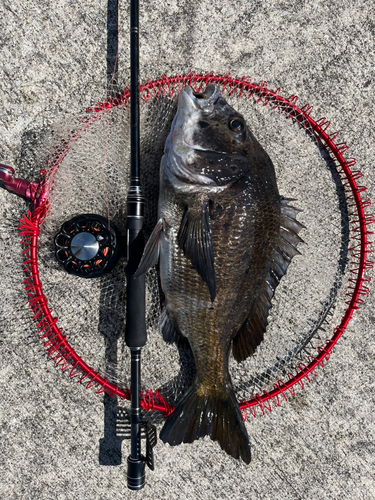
(209,330)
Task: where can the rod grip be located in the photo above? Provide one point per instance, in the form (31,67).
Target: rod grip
(135,332)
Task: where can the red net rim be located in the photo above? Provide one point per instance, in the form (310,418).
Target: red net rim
(55,342)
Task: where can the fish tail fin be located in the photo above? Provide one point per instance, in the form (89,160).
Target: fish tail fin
(216,415)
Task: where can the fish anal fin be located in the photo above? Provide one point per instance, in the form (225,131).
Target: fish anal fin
(151,252)
(169,332)
(215,414)
(195,239)
(251,333)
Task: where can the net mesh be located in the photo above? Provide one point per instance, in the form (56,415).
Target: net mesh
(93,160)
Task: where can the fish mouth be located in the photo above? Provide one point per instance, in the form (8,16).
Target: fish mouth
(203,101)
(199,148)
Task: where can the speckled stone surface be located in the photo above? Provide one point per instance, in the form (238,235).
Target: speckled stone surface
(53,61)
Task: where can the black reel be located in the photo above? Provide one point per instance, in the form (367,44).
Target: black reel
(87,246)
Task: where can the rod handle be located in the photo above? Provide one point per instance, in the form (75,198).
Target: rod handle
(135,333)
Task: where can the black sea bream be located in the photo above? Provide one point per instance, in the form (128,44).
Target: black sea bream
(224,238)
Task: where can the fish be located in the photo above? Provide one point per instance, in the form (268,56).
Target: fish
(224,239)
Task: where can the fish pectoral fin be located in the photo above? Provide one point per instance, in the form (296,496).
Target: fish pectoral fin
(251,333)
(151,252)
(195,239)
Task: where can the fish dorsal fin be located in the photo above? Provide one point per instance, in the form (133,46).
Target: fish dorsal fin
(251,332)
(195,239)
(151,252)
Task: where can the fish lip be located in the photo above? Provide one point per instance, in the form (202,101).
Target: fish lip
(188,91)
(205,105)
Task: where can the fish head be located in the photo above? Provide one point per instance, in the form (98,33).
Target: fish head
(209,142)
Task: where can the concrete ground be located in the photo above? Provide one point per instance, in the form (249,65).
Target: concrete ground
(319,445)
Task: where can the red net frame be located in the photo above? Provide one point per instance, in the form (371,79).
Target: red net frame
(56,344)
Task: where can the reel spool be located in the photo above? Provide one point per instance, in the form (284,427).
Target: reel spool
(87,246)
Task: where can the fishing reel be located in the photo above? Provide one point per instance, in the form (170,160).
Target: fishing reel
(87,246)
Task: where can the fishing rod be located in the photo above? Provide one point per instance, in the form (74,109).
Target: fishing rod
(135,331)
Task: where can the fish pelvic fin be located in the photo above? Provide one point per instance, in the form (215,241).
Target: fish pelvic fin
(150,255)
(251,332)
(169,332)
(216,415)
(195,239)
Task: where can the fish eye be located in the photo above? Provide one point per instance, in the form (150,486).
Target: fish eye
(236,125)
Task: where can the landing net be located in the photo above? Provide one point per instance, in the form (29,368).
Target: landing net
(81,321)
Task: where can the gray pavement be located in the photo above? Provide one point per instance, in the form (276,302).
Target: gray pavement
(319,445)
